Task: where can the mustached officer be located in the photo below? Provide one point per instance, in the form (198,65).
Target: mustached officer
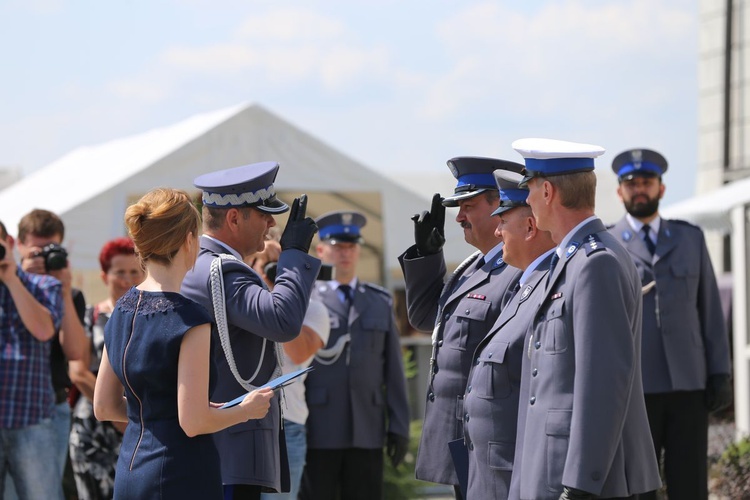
(459,309)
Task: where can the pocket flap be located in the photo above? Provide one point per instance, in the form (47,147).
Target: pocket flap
(375,323)
(555,309)
(500,455)
(558,422)
(494,353)
(473,309)
(682,269)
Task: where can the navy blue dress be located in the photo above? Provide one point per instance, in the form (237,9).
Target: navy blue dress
(157,459)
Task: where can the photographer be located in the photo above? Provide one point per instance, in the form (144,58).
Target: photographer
(30,312)
(40,234)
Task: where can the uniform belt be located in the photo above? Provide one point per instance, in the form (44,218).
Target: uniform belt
(61,395)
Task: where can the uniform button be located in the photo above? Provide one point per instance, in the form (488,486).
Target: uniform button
(431,396)
(468,389)
(471,446)
(537,344)
(440,343)
(534,372)
(532,400)
(466,417)
(476,362)
(596,475)
(447,316)
(466,312)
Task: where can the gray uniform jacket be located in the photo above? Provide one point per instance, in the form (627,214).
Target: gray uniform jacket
(355,400)
(469,310)
(493,390)
(684,334)
(585,417)
(250,452)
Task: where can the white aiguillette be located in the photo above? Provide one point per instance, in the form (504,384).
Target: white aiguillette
(274,384)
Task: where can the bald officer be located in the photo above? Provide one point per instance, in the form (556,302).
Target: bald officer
(685,354)
(494,386)
(356,393)
(460,310)
(238,209)
(585,432)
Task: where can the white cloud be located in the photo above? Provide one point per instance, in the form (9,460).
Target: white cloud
(291,25)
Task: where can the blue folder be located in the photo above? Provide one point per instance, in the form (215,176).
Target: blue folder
(274,384)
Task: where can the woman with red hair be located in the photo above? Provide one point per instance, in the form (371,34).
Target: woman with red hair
(95,445)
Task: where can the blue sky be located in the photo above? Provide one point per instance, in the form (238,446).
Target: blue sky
(396,85)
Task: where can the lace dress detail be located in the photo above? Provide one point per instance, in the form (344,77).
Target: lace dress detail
(152,302)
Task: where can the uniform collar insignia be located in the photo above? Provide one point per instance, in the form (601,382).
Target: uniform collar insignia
(571,249)
(626,235)
(526,293)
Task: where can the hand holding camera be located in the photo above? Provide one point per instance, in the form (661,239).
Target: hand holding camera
(299,230)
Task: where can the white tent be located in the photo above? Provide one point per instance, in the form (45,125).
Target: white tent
(91,186)
(726,210)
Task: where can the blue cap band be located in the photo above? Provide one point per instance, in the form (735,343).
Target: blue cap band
(478,180)
(338,229)
(513,196)
(559,166)
(645,166)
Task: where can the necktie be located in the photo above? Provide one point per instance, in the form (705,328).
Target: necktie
(346,295)
(511,293)
(479,264)
(647,239)
(552,264)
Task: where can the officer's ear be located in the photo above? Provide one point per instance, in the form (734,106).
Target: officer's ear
(662,188)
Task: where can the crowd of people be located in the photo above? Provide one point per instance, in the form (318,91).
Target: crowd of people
(570,360)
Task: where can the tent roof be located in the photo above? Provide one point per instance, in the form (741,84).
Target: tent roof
(82,167)
(712,210)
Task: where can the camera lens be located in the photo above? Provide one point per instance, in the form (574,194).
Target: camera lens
(2,252)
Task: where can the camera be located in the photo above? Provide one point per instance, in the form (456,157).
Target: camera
(2,252)
(55,257)
(325,273)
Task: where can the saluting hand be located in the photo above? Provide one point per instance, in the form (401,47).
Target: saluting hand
(299,230)
(429,228)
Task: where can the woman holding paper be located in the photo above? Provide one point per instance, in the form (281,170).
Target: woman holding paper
(156,355)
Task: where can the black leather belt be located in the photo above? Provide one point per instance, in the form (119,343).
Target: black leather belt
(61,395)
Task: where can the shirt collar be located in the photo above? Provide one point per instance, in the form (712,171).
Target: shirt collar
(638,225)
(533,266)
(229,249)
(564,243)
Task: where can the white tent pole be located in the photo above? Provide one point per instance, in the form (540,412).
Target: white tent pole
(740,321)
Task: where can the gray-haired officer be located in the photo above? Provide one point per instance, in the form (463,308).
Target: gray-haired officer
(238,209)
(460,310)
(356,393)
(585,430)
(494,384)
(685,354)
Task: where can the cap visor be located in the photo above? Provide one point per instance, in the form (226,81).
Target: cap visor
(273,207)
(501,210)
(452,201)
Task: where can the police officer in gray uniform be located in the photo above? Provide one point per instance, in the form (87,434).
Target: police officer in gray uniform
(460,310)
(585,430)
(238,209)
(492,393)
(356,392)
(685,354)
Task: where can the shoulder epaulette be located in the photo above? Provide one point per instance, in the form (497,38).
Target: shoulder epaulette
(592,244)
(684,223)
(380,289)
